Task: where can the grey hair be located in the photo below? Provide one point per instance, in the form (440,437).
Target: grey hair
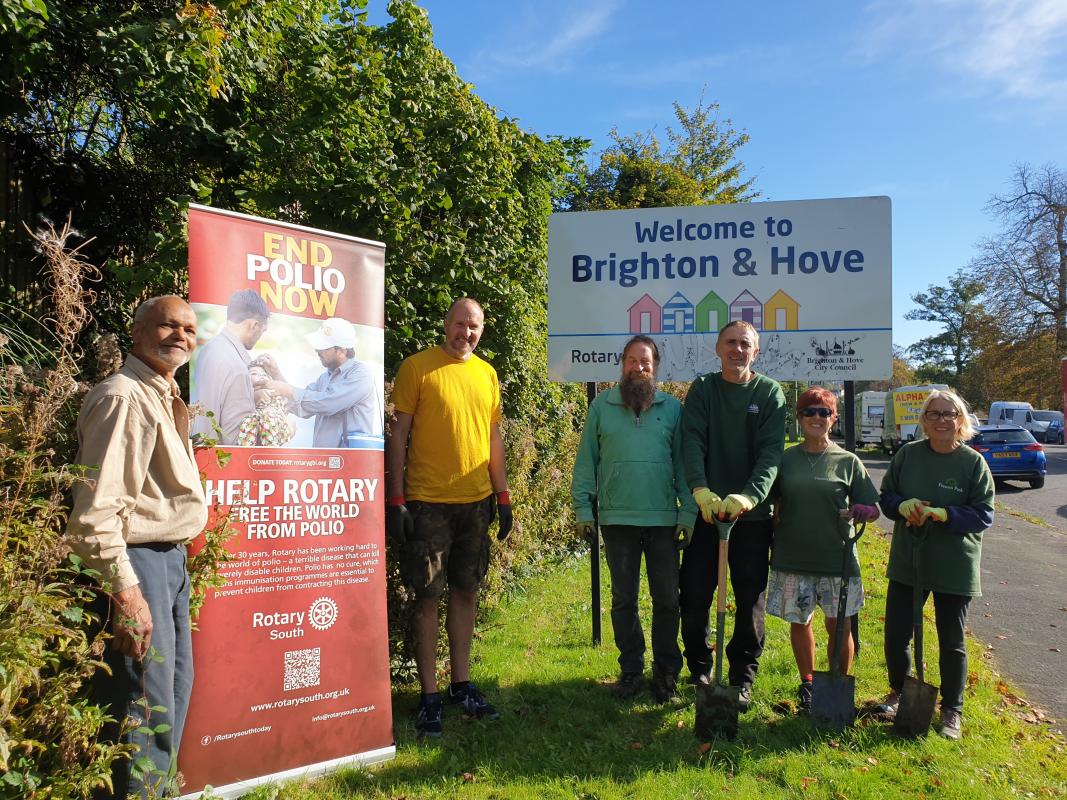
(966,431)
(147,305)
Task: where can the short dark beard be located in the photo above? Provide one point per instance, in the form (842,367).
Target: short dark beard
(638,391)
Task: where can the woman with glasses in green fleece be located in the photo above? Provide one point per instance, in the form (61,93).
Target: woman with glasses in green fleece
(818,484)
(939,489)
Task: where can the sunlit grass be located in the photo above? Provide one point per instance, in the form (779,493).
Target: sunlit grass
(563,735)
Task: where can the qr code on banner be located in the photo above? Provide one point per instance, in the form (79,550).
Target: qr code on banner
(301,668)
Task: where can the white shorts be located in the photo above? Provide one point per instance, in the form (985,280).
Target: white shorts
(793,597)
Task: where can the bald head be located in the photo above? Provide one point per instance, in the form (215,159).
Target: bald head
(464,324)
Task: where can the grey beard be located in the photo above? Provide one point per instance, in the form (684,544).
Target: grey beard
(637,393)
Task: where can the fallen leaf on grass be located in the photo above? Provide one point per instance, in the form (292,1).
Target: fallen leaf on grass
(703,748)
(872,761)
(636,745)
(681,724)
(468,777)
(863,769)
(806,782)
(784,707)
(936,781)
(972,678)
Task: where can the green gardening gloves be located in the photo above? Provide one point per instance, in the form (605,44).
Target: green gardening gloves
(709,503)
(683,535)
(916,512)
(939,514)
(737,504)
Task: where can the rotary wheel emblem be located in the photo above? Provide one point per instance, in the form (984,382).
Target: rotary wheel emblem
(322,614)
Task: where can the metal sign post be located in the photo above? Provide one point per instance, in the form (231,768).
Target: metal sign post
(594,551)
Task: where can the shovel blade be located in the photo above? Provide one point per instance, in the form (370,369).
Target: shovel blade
(916,710)
(717,710)
(833,701)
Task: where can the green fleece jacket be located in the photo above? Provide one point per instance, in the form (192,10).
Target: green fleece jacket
(632,464)
(733,435)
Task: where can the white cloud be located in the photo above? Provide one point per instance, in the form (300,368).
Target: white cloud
(1013,47)
(549,42)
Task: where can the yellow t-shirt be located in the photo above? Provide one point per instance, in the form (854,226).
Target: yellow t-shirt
(454,403)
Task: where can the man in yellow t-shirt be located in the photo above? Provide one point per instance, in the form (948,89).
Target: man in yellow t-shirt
(439,511)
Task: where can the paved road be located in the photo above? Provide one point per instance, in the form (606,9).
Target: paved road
(1022,614)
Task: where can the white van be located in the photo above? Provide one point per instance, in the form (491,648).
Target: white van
(1014,412)
(870,416)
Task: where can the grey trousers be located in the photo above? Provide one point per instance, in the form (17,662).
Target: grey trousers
(624,545)
(163,680)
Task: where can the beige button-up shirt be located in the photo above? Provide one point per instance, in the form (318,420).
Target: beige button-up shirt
(144,483)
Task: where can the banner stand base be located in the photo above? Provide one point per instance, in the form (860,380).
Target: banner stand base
(233,790)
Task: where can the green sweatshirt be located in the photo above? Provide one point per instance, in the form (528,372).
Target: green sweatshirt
(810,491)
(733,435)
(632,465)
(960,482)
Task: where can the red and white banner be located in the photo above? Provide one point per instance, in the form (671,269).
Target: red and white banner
(292,653)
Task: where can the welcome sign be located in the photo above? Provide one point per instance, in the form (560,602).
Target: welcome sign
(814,277)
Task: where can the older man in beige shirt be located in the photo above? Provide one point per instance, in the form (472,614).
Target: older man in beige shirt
(130,523)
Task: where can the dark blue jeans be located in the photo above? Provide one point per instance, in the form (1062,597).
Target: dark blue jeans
(624,546)
(164,581)
(749,558)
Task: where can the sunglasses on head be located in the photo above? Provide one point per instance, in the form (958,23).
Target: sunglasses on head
(816,411)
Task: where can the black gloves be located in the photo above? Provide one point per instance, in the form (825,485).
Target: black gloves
(503,503)
(399,524)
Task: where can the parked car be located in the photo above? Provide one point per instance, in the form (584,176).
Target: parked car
(1053,430)
(1012,453)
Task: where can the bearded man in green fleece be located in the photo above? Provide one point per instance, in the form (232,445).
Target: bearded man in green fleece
(630,461)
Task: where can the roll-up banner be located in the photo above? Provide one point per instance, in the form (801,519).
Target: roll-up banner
(814,277)
(291,655)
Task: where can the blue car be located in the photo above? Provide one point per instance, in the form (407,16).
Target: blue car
(1012,453)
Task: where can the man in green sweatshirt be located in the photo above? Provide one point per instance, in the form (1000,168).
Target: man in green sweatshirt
(733,435)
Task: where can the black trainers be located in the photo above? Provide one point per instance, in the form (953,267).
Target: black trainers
(428,719)
(473,703)
(628,684)
(804,695)
(664,686)
(744,697)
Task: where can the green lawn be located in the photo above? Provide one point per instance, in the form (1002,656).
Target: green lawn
(563,735)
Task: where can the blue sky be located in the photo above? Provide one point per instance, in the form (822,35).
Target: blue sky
(930,102)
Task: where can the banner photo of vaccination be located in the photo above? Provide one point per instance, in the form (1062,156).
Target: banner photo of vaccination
(814,277)
(291,654)
(324,293)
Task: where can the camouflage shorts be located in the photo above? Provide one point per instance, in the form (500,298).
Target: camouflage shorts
(450,545)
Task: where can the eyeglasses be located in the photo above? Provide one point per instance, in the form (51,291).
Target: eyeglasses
(934,416)
(816,411)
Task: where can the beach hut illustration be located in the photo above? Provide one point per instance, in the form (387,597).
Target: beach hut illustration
(781,313)
(711,314)
(646,316)
(746,307)
(678,314)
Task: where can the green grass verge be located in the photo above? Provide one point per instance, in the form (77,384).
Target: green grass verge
(562,735)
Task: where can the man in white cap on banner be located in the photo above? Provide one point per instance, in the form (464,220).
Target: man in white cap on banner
(345,399)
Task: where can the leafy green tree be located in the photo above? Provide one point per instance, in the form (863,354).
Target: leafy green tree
(957,307)
(696,165)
